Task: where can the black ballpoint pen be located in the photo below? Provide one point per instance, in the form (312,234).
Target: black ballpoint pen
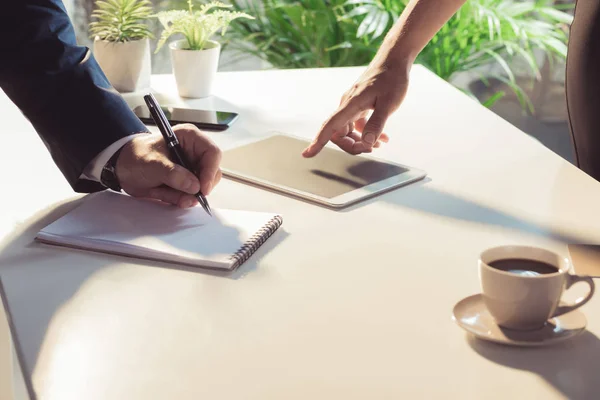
(172,143)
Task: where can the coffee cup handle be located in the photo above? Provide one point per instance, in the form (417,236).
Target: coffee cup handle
(571,280)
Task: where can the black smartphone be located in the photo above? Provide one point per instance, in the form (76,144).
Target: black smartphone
(203,119)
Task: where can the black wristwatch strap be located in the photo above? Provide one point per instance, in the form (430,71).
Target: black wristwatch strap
(108,177)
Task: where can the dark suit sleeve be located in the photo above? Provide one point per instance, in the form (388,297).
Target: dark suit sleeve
(59,87)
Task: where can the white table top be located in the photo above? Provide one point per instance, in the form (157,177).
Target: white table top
(337,305)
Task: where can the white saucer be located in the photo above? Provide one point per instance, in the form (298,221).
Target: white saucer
(472,315)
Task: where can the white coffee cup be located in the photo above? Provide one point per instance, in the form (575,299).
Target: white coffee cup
(526,300)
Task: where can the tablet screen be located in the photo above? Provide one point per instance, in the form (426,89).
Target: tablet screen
(331,173)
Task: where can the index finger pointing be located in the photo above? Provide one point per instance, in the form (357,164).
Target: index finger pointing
(337,121)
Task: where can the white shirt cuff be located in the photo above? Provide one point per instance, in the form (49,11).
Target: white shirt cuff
(94,169)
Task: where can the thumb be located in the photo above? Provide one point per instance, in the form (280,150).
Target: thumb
(176,176)
(209,169)
(374,126)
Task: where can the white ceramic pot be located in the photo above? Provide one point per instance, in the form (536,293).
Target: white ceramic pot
(126,65)
(195,70)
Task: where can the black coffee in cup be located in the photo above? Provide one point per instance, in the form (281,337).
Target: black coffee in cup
(524,267)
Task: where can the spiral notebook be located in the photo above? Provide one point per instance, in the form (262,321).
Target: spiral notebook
(115,223)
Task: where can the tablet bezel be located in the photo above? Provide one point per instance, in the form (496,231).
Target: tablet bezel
(344,200)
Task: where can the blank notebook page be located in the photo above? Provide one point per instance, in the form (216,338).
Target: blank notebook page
(119,224)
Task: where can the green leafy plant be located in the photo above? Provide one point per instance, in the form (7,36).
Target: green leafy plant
(121,20)
(483,33)
(300,34)
(197,26)
(333,33)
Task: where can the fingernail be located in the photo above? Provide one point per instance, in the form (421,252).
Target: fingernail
(370,138)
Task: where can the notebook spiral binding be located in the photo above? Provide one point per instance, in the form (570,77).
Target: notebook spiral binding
(256,241)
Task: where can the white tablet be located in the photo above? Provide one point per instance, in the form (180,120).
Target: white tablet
(333,178)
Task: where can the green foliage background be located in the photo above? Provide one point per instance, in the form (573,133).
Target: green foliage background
(337,33)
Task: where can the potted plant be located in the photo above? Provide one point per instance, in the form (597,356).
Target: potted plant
(121,42)
(195,58)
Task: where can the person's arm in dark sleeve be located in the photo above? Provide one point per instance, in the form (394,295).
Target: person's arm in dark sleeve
(60,87)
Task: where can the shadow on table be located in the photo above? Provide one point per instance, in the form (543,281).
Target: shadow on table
(36,280)
(422,197)
(18,251)
(571,367)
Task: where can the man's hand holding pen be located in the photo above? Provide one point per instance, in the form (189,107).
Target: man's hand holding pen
(144,167)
